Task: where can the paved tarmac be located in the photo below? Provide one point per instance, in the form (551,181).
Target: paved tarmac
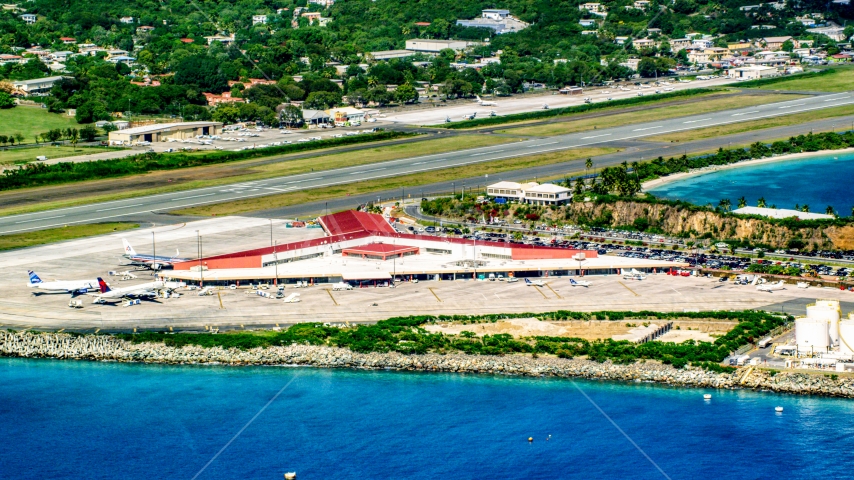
(420,164)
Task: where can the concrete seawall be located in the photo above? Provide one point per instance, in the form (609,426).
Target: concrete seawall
(107,348)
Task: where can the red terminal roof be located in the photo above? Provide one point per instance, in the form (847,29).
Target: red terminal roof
(352,221)
(379,250)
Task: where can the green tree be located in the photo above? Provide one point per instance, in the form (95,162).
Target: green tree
(291,115)
(725,204)
(805,208)
(742,202)
(322,100)
(761,202)
(88,132)
(406,93)
(787,46)
(6,101)
(829,210)
(91,111)
(19,137)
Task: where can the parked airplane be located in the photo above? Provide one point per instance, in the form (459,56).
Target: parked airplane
(632,275)
(74,287)
(770,287)
(579,283)
(484,103)
(150,261)
(536,283)
(143,290)
(470,117)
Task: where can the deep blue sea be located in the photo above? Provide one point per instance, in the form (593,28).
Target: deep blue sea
(82,420)
(817,182)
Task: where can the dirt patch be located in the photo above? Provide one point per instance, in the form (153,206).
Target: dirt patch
(586,329)
(518,327)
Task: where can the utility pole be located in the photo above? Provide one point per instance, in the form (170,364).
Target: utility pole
(276,260)
(271,232)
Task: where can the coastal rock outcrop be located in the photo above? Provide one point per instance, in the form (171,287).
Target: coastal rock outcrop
(108,348)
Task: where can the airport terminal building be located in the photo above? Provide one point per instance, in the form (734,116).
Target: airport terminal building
(364,249)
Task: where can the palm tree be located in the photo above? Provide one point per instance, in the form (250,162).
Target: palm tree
(806,208)
(635,167)
(742,202)
(829,210)
(75,136)
(725,204)
(761,202)
(797,206)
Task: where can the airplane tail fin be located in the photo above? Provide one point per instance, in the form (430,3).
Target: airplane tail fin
(478,98)
(33,277)
(527,280)
(128,249)
(572,281)
(102,285)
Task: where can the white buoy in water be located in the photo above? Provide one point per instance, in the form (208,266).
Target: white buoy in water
(778,409)
(707,396)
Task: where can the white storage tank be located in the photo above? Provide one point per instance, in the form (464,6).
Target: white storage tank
(846,336)
(811,334)
(828,311)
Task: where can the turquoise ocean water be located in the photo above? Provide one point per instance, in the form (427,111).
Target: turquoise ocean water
(817,182)
(75,420)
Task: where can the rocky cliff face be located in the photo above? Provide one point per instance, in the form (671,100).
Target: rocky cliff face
(675,220)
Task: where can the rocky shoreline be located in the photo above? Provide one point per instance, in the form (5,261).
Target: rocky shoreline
(108,348)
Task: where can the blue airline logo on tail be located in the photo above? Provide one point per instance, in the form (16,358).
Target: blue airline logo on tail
(33,277)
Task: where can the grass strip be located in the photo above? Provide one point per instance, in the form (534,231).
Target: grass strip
(33,175)
(29,154)
(234,207)
(733,128)
(53,235)
(653,114)
(826,80)
(587,107)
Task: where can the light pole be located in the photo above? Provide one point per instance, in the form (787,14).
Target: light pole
(453,188)
(276,262)
(153,256)
(271,232)
(199,251)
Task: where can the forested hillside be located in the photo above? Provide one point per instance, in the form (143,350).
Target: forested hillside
(167,41)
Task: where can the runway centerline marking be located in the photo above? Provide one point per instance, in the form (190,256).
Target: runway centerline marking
(123,206)
(700,120)
(37,219)
(647,128)
(193,196)
(596,136)
(744,113)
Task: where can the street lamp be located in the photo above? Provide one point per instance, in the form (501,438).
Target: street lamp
(271,232)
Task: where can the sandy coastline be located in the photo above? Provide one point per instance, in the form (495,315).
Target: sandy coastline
(651,184)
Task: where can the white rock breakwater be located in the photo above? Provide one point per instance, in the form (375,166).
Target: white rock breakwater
(108,348)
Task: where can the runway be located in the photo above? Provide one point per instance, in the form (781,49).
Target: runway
(135,207)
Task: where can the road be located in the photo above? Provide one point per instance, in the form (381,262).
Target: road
(624,135)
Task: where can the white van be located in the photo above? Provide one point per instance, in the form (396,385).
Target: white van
(341,286)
